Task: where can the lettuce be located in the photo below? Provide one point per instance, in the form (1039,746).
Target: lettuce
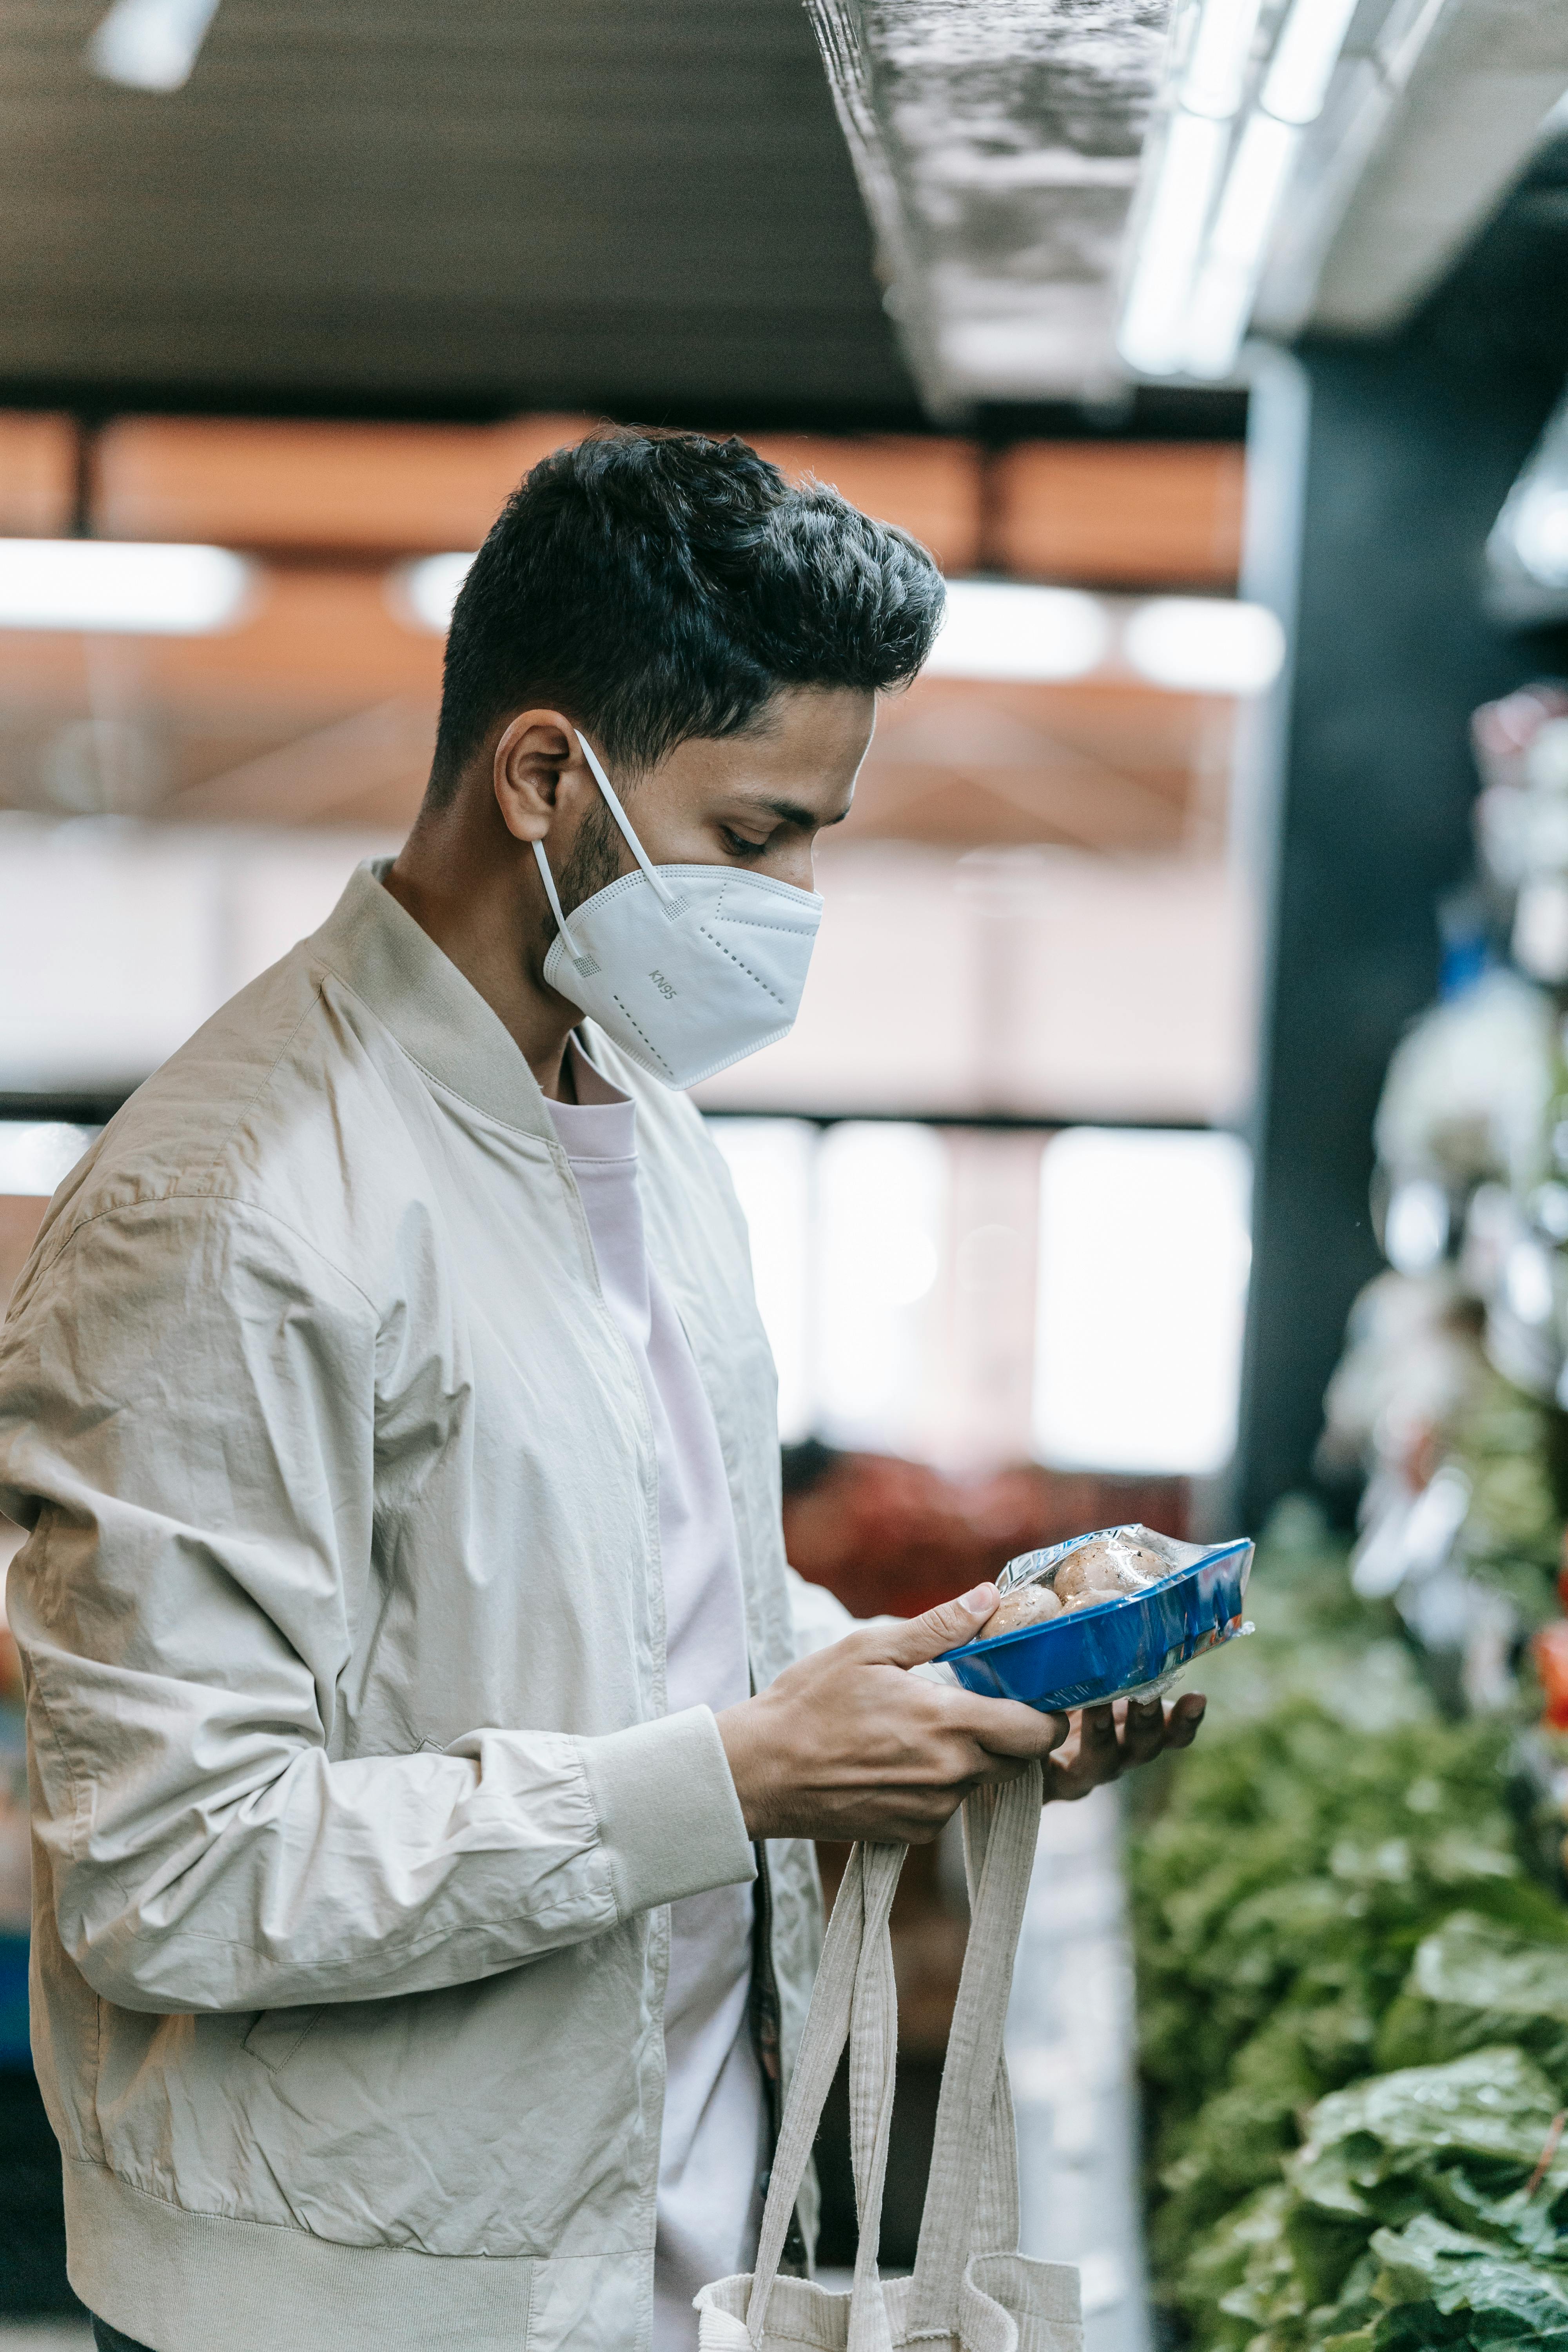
(1475,1982)
(1433,2286)
(1353,2013)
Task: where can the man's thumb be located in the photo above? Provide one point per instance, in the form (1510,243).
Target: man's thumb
(956,1621)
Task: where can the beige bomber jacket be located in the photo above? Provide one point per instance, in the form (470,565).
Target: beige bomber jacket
(355,1804)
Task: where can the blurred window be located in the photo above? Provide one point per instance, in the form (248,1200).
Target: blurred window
(881,1232)
(971,1296)
(1143,1263)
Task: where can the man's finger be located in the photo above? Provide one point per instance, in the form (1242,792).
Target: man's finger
(1006,1728)
(1144,1733)
(1094,1758)
(1097,1732)
(919,1639)
(1182,1727)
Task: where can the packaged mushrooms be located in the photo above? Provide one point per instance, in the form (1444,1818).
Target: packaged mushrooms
(1106,1567)
(1112,1614)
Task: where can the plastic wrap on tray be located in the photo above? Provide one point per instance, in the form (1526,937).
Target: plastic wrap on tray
(1115,1613)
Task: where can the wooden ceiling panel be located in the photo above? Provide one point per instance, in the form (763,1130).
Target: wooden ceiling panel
(1120,513)
(37,475)
(395,489)
(409,489)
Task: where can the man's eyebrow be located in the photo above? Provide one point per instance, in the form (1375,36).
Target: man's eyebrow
(793,812)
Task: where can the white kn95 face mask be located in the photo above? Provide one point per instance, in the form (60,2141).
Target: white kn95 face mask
(689,967)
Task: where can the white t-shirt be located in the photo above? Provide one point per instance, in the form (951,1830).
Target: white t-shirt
(713,2144)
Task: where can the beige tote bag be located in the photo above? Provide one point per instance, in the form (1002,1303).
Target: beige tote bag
(971,2291)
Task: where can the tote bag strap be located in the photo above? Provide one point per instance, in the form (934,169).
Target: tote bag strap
(873,2068)
(971,2198)
(853,1998)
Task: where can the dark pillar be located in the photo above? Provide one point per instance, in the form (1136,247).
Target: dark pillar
(1402,452)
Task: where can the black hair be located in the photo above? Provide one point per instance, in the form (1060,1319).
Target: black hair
(662,585)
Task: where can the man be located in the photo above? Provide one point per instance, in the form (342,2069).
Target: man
(421,1761)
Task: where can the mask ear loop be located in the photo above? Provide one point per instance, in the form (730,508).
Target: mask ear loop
(584,963)
(674,905)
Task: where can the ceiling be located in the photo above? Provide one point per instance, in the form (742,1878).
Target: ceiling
(997,144)
(441,206)
(474,208)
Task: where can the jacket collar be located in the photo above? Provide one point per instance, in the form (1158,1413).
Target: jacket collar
(442,1024)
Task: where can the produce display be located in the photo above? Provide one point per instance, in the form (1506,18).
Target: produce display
(1354,2003)
(1452,1397)
(1350,1900)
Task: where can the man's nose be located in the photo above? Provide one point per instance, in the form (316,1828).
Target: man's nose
(796,865)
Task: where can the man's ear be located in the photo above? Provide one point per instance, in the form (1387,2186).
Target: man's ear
(535,751)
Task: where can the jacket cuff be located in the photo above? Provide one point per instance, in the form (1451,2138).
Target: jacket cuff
(670,1819)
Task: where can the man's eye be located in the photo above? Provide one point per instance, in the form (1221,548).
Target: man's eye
(738,845)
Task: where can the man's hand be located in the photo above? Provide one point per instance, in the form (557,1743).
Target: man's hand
(1107,1741)
(849,1744)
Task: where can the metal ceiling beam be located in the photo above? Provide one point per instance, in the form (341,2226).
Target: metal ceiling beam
(996,143)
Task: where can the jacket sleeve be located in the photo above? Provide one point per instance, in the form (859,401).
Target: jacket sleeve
(187,1429)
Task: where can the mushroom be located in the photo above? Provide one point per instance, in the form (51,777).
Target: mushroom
(1108,1568)
(1032,1604)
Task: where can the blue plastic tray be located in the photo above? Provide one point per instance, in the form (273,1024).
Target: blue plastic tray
(1090,1654)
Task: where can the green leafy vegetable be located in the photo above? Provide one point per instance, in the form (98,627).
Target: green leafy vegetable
(1433,2286)
(1353,2006)
(1475,1982)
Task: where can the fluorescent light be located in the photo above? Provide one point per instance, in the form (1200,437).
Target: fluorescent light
(1304,58)
(1221,306)
(426,592)
(1205,644)
(1012,630)
(119,586)
(1155,313)
(1253,187)
(1215,76)
(1001,629)
(1188,304)
(1243,222)
(149,44)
